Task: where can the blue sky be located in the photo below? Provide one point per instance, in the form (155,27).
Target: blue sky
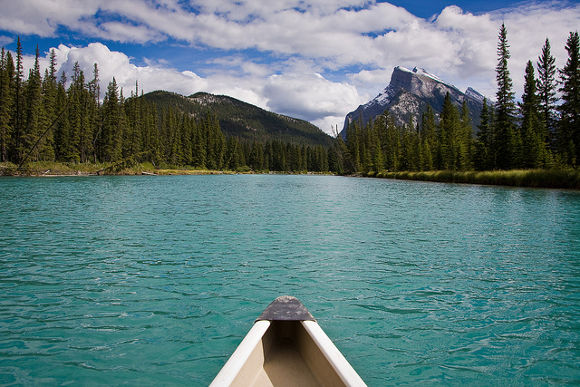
(315,60)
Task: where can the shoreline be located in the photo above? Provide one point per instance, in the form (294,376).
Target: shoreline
(523,178)
(530,178)
(54,169)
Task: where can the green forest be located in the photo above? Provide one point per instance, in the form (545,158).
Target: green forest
(541,131)
(43,118)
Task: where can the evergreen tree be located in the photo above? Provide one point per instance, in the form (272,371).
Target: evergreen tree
(94,117)
(392,146)
(465,139)
(428,138)
(199,148)
(409,147)
(533,146)
(133,136)
(33,115)
(111,130)
(50,108)
(569,131)
(121,128)
(547,91)
(18,107)
(352,137)
(484,158)
(506,136)
(378,157)
(6,104)
(61,128)
(94,87)
(449,135)
(76,117)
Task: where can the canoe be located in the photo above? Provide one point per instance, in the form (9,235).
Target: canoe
(287,347)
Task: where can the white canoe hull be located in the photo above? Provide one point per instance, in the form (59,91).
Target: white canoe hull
(287,353)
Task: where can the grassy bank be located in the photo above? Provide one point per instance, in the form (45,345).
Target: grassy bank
(47,169)
(537,178)
(89,169)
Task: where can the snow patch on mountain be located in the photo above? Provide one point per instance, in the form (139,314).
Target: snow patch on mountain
(471,93)
(409,93)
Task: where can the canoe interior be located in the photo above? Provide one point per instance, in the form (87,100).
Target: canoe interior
(287,356)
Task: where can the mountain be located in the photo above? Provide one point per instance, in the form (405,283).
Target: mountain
(409,93)
(242,119)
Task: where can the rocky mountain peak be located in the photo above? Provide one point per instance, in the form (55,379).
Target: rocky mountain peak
(408,95)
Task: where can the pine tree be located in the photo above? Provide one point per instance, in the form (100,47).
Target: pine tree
(152,137)
(18,107)
(484,158)
(378,157)
(352,138)
(199,147)
(94,118)
(6,104)
(506,138)
(547,91)
(569,131)
(428,138)
(132,138)
(449,136)
(33,115)
(49,89)
(409,147)
(466,139)
(76,116)
(392,146)
(111,131)
(121,128)
(61,128)
(533,146)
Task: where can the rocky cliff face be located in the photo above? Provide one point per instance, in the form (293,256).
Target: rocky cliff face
(408,95)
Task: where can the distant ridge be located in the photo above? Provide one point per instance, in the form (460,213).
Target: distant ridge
(408,95)
(243,120)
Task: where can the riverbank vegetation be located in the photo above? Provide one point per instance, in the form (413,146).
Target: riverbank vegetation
(53,168)
(534,178)
(50,126)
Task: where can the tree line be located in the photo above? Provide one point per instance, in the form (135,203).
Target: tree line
(541,131)
(43,118)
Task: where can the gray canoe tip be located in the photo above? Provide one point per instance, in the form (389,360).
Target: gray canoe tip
(286,308)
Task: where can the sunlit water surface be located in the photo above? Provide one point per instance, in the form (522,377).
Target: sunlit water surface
(155,280)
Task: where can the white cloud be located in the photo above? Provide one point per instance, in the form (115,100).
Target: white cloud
(42,17)
(117,64)
(309,96)
(298,39)
(5,40)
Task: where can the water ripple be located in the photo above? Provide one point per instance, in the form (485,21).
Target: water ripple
(415,282)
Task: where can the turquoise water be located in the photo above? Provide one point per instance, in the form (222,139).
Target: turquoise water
(155,280)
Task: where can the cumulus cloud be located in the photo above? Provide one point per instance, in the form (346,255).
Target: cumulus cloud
(461,47)
(304,95)
(309,96)
(117,64)
(302,41)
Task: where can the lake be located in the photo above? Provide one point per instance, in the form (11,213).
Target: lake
(155,280)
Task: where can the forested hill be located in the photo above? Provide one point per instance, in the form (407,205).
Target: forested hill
(243,120)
